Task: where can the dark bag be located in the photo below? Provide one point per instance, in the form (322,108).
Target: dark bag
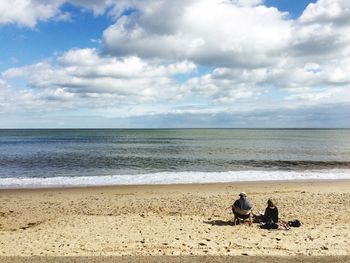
(294,223)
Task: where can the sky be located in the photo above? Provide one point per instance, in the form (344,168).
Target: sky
(175,64)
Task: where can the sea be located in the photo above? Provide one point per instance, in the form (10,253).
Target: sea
(39,158)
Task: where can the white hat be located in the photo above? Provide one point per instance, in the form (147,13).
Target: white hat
(243,194)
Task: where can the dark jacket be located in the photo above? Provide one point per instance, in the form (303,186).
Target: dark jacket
(243,203)
(271,214)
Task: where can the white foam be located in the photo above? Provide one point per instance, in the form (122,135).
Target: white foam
(174,178)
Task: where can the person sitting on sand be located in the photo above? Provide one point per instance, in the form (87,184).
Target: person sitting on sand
(271,212)
(241,208)
(270,217)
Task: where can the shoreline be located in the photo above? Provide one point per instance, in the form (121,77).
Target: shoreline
(173,220)
(307,180)
(297,181)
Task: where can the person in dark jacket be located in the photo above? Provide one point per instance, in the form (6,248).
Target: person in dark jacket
(241,208)
(271,212)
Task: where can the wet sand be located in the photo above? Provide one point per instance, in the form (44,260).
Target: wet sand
(174,220)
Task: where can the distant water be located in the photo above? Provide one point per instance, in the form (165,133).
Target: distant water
(41,158)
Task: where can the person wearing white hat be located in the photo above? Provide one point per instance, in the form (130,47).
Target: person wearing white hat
(242,194)
(242,209)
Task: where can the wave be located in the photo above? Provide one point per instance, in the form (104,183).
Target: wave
(90,160)
(173,178)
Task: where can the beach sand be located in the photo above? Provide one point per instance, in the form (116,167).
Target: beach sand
(174,220)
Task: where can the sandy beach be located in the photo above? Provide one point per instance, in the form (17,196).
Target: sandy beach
(174,220)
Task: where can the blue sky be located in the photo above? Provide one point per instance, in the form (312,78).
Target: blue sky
(294,8)
(22,45)
(186,63)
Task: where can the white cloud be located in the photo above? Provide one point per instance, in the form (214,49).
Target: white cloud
(208,32)
(248,2)
(98,7)
(85,76)
(225,85)
(323,31)
(12,100)
(28,12)
(325,11)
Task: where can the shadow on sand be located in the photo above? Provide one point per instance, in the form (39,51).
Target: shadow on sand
(219,223)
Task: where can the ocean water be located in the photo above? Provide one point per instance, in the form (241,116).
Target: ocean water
(78,157)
